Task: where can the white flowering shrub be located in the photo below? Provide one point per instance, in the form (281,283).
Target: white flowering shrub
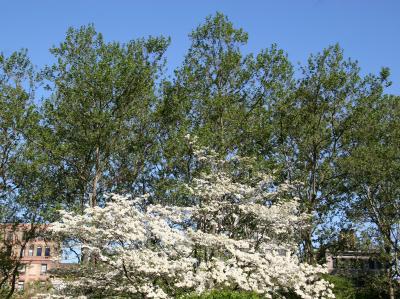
(235,236)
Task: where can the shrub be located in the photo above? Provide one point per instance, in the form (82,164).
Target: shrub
(344,287)
(224,295)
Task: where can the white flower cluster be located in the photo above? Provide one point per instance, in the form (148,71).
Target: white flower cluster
(230,239)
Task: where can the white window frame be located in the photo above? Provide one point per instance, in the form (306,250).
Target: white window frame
(43,266)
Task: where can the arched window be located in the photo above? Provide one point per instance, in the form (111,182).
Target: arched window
(30,251)
(39,251)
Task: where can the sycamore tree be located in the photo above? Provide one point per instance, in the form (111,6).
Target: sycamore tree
(221,95)
(239,236)
(310,126)
(19,199)
(98,122)
(17,116)
(372,178)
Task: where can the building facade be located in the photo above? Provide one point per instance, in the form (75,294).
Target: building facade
(37,255)
(353,263)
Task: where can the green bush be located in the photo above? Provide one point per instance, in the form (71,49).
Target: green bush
(224,295)
(33,289)
(375,287)
(360,287)
(344,287)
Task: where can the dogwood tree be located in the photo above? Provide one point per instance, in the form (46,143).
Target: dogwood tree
(234,235)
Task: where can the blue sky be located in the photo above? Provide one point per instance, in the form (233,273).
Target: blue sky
(367,30)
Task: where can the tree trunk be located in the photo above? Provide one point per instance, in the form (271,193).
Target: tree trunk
(97,175)
(389,272)
(308,247)
(13,281)
(312,196)
(391,288)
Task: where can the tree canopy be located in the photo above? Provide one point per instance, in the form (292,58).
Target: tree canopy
(106,117)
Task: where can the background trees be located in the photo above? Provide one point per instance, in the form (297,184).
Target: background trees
(17,119)
(309,129)
(111,121)
(99,120)
(371,170)
(20,184)
(223,97)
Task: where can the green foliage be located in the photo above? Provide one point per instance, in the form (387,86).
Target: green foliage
(359,287)
(372,171)
(112,122)
(18,124)
(309,128)
(375,286)
(220,96)
(17,119)
(98,122)
(35,288)
(223,295)
(344,286)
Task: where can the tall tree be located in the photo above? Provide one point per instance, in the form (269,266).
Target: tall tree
(99,118)
(18,202)
(372,168)
(221,96)
(16,75)
(309,126)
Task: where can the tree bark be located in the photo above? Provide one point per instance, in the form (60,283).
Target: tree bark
(308,247)
(97,175)
(390,282)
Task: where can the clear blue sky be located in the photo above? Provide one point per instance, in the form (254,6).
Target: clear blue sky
(368,30)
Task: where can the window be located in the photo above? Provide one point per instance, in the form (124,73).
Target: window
(378,265)
(371,264)
(340,263)
(22,252)
(20,286)
(30,251)
(39,251)
(43,269)
(335,263)
(47,251)
(282,252)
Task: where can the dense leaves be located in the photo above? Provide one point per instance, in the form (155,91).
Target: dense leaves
(104,117)
(99,120)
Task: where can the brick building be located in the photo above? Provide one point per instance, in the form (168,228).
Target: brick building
(37,255)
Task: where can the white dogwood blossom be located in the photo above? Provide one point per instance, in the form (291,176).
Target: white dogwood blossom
(237,236)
